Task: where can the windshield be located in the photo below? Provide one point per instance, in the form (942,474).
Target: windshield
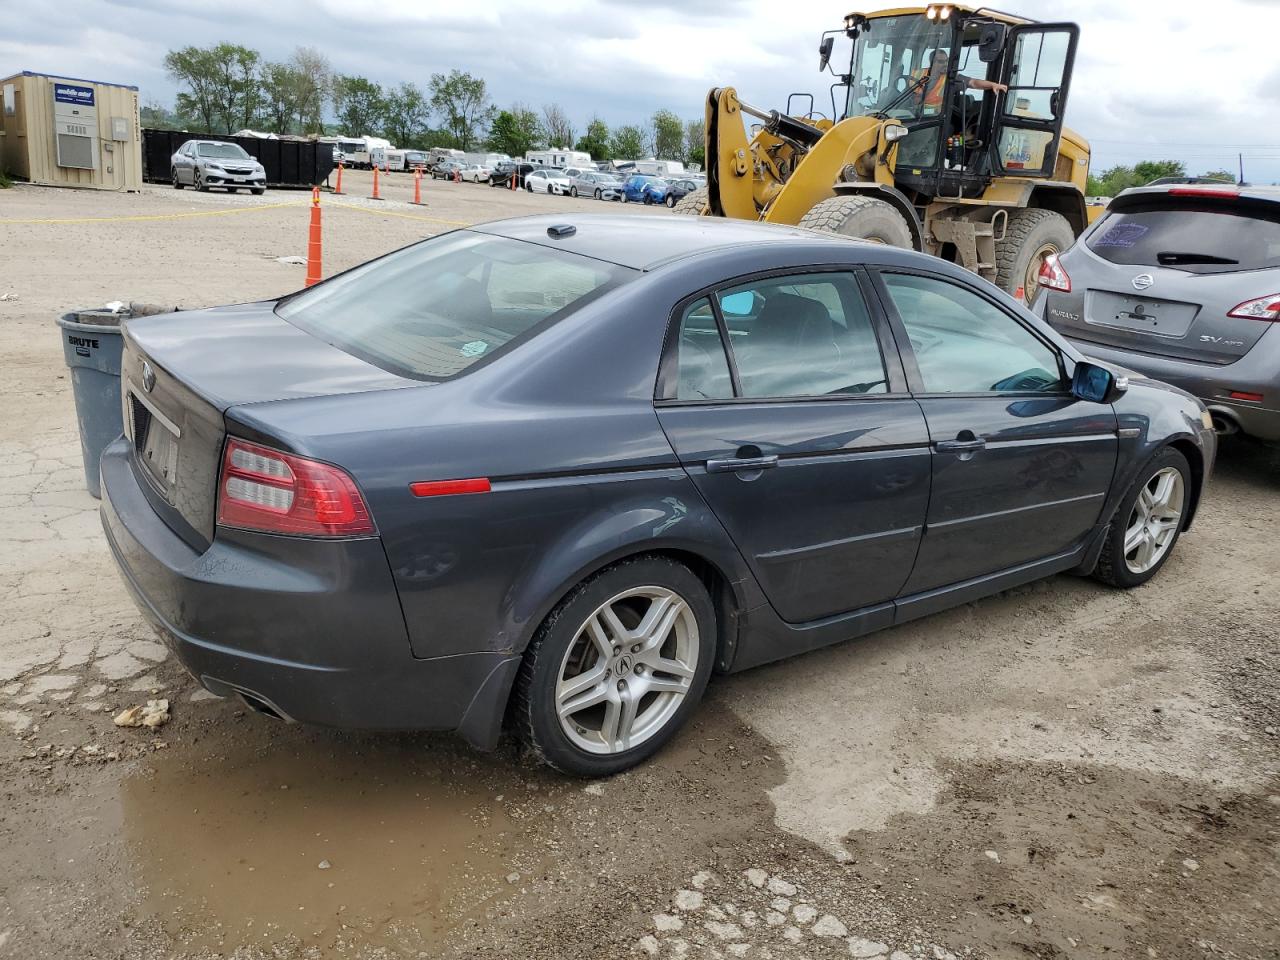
(432,310)
(892,55)
(227,151)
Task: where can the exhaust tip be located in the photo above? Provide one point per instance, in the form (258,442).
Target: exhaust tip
(258,705)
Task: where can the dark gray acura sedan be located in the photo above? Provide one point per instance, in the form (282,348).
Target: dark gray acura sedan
(558,473)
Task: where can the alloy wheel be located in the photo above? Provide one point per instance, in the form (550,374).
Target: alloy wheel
(1153,524)
(630,666)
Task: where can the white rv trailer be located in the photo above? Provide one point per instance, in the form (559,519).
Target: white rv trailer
(559,157)
(660,168)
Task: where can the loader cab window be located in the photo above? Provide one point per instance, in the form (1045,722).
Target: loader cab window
(892,56)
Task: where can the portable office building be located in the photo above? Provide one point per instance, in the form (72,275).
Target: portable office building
(65,132)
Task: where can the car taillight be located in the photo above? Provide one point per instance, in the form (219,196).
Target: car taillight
(1053,276)
(1264,308)
(265,489)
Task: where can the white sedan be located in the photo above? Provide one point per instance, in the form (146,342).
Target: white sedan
(475,173)
(546,181)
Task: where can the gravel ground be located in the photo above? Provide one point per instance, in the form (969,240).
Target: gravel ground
(1059,771)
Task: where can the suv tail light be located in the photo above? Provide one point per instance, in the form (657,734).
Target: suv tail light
(1264,308)
(1053,276)
(265,489)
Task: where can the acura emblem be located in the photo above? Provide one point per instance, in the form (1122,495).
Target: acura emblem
(1142,281)
(148,377)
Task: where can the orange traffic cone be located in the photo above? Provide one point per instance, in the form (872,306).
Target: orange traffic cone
(313,240)
(374,195)
(513,181)
(338,188)
(457,177)
(1020,295)
(417,185)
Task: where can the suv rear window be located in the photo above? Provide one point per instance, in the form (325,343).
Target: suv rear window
(1195,238)
(434,309)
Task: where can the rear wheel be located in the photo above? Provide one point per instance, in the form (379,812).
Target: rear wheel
(693,204)
(177,184)
(617,668)
(1029,237)
(1147,523)
(671,200)
(860,218)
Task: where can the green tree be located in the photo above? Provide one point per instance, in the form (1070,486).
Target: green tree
(596,140)
(515,131)
(627,143)
(313,77)
(279,97)
(668,136)
(695,142)
(462,101)
(221,84)
(407,112)
(1226,176)
(156,117)
(1150,170)
(359,104)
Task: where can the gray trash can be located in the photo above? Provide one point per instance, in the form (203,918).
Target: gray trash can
(92,344)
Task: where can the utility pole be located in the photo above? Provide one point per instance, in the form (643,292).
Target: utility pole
(1242,168)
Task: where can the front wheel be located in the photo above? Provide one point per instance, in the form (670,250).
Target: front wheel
(199,183)
(617,668)
(258,191)
(1147,523)
(860,218)
(573,192)
(598,194)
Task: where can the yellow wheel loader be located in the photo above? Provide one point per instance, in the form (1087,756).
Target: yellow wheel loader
(946,136)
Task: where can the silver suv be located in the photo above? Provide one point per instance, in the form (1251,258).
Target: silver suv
(1181,282)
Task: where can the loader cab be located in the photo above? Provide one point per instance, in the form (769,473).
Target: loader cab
(917,68)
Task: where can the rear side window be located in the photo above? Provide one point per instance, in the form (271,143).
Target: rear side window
(702,370)
(434,309)
(1197,239)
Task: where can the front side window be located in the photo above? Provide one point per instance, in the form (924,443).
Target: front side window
(802,336)
(432,310)
(965,344)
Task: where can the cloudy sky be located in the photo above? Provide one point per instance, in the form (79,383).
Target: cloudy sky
(1154,79)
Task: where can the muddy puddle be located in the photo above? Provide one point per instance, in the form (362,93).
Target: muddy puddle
(384,838)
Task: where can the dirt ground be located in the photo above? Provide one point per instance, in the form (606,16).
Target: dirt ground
(1058,771)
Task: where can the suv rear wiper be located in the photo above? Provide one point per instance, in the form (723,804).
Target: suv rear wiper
(1169,258)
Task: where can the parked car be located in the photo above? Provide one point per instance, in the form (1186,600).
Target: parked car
(214,163)
(474,173)
(445,169)
(1182,282)
(600,186)
(641,188)
(502,173)
(543,180)
(563,469)
(677,190)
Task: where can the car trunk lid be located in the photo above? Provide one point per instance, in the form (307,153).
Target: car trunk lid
(1162,272)
(181,372)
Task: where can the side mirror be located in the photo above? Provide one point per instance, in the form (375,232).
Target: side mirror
(991,42)
(824,52)
(1097,384)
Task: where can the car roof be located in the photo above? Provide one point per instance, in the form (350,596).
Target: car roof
(644,243)
(1265,193)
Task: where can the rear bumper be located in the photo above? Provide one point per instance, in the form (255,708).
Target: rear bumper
(1212,384)
(311,629)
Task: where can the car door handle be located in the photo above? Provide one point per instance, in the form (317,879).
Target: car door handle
(960,446)
(741,464)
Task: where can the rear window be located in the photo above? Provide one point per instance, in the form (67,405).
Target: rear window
(1197,239)
(434,309)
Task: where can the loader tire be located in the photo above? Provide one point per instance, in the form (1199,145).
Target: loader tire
(860,218)
(692,204)
(1029,237)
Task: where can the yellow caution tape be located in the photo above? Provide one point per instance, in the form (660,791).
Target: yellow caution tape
(165,216)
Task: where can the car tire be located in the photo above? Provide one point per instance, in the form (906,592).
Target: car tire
(258,191)
(670,201)
(233,189)
(693,204)
(623,197)
(528,186)
(860,218)
(598,194)
(1134,550)
(178,184)
(573,192)
(566,641)
(1029,237)
(199,184)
